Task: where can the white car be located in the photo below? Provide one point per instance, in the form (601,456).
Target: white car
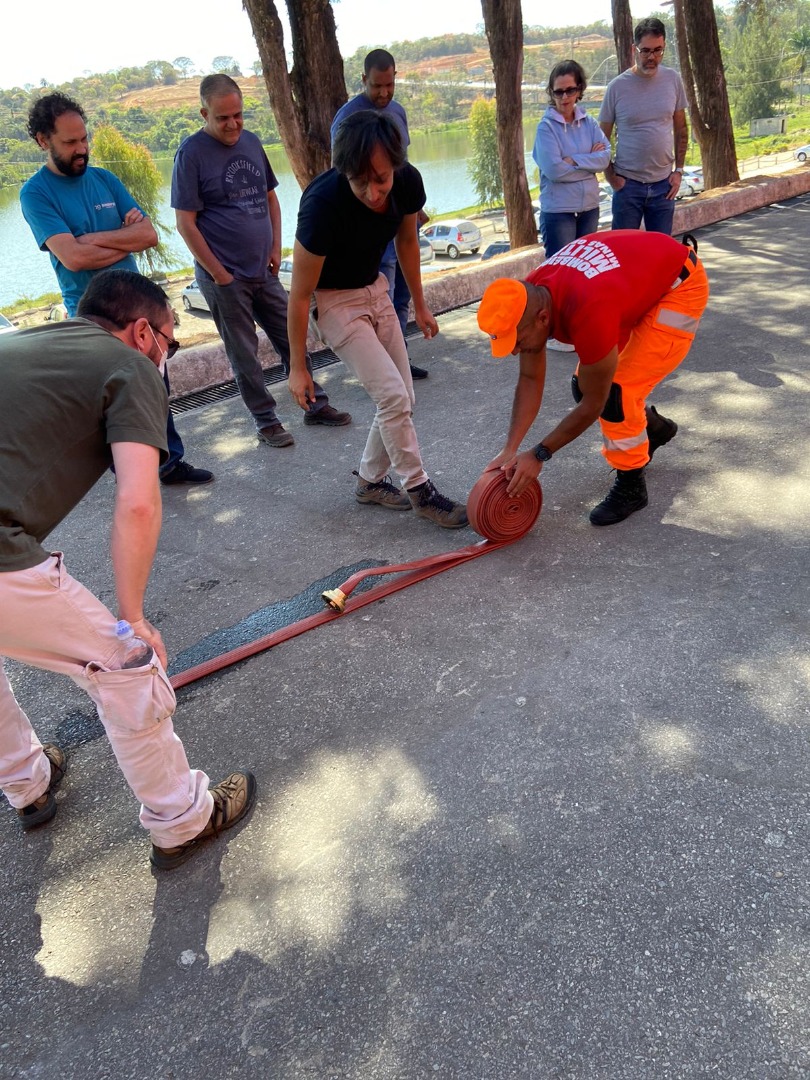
(802,153)
(452,238)
(691,181)
(193,299)
(5,326)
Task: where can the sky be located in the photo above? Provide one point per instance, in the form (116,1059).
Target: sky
(96,35)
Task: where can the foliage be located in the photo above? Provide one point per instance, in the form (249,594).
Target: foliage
(484,166)
(755,71)
(134,167)
(226,65)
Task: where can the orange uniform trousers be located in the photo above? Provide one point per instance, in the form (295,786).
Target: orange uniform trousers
(658,343)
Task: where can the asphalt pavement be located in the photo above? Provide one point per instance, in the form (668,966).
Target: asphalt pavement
(544,815)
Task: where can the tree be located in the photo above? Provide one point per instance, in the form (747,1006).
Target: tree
(226,65)
(755,78)
(503,21)
(134,167)
(705,84)
(484,167)
(304,99)
(186,66)
(622,33)
(800,41)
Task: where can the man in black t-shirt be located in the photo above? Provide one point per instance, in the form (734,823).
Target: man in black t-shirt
(79,396)
(346,218)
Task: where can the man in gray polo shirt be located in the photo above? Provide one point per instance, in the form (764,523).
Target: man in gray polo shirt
(647,105)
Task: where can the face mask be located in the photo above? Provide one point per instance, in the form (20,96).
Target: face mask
(164,354)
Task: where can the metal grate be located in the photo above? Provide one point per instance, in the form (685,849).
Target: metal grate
(223,391)
(321,359)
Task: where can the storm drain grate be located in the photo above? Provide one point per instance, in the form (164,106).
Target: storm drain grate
(229,389)
(323,358)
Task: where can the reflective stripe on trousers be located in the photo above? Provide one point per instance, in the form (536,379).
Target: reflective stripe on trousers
(657,345)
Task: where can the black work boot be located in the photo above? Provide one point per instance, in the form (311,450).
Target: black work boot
(628,494)
(659,429)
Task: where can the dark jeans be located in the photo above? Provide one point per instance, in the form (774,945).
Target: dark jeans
(236,309)
(557,230)
(176,449)
(398,290)
(637,202)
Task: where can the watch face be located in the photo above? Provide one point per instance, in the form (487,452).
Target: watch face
(542,453)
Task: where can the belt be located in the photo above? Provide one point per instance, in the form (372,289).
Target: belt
(685,270)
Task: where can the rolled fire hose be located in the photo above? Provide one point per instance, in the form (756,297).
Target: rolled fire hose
(500,518)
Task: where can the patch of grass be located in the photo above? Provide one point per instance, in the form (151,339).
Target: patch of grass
(26,303)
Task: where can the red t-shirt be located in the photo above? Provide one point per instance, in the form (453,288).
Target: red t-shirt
(602,285)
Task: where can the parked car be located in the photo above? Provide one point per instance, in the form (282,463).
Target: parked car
(500,247)
(193,299)
(802,153)
(285,272)
(425,249)
(691,181)
(5,325)
(452,238)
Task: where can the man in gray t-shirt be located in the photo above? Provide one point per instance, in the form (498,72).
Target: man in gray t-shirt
(228,213)
(647,105)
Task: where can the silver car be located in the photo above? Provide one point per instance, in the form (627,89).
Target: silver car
(452,238)
(5,325)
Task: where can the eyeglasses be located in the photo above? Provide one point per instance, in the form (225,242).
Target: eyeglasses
(657,51)
(171,345)
(566,91)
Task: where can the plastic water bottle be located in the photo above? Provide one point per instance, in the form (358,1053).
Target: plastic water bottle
(134,651)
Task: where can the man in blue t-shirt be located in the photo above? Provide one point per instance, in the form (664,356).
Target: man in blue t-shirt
(88,221)
(229,216)
(379,83)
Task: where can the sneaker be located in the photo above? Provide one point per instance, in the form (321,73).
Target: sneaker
(232,800)
(659,429)
(628,494)
(327,416)
(428,503)
(383,493)
(183,473)
(275,435)
(559,346)
(44,808)
(418,372)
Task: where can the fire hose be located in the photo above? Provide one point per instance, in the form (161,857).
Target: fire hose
(498,517)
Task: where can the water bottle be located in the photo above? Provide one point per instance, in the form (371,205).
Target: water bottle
(134,652)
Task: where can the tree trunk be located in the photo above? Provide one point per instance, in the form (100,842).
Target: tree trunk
(622,33)
(705,85)
(304,101)
(503,21)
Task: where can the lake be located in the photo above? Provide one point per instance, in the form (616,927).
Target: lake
(441,158)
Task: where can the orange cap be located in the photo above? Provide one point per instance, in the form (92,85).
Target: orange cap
(499,313)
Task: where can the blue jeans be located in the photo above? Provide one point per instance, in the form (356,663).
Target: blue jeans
(398,290)
(557,230)
(637,202)
(236,309)
(173,439)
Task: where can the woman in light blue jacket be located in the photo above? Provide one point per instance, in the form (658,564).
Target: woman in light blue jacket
(570,149)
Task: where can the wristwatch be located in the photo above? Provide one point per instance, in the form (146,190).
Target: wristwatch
(542,453)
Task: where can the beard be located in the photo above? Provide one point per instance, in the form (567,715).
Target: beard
(73,166)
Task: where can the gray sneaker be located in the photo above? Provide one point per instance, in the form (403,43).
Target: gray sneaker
(428,503)
(383,493)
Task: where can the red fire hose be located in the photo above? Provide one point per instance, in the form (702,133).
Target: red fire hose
(500,518)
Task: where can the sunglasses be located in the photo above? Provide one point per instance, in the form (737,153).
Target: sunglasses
(171,344)
(566,92)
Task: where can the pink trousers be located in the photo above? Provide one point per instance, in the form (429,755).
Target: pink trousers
(49,620)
